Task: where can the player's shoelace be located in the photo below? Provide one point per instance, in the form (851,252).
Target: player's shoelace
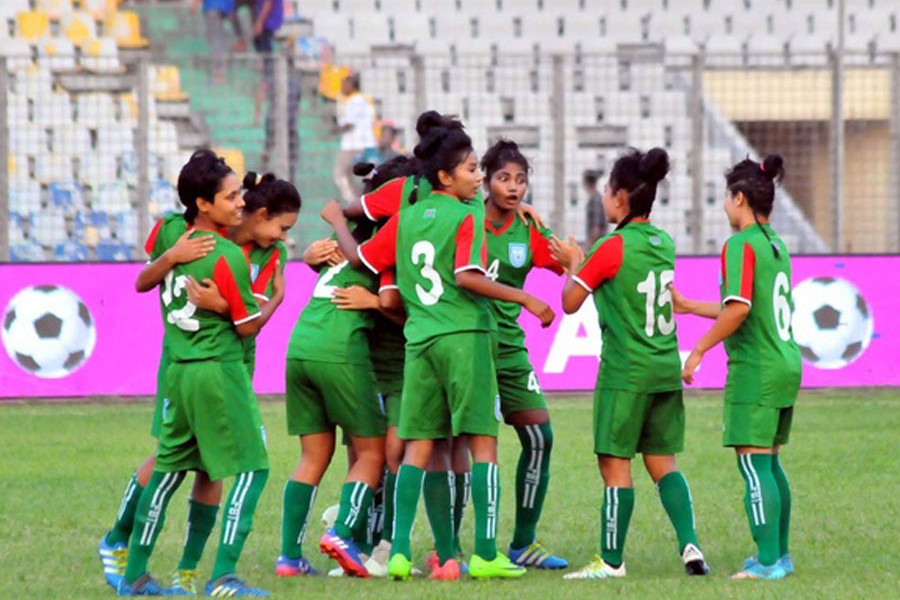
(186,580)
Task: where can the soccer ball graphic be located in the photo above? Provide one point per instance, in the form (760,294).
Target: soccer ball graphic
(832,322)
(48,331)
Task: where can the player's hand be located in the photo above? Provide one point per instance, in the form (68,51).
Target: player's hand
(680,304)
(319,252)
(691,365)
(206,295)
(188,249)
(354,298)
(195,6)
(540,309)
(332,212)
(336,258)
(566,252)
(526,210)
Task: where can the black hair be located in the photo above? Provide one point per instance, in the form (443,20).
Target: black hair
(277,196)
(443,145)
(201,177)
(590,177)
(501,154)
(756,181)
(639,173)
(376,176)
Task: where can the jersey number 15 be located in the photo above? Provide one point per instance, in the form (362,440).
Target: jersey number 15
(657,296)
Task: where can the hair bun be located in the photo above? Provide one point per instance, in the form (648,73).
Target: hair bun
(430,143)
(773,166)
(427,121)
(250,180)
(361,169)
(654,165)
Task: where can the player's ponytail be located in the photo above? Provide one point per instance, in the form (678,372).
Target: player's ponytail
(443,144)
(200,177)
(756,181)
(639,174)
(277,196)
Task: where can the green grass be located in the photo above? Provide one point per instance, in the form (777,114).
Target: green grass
(64,466)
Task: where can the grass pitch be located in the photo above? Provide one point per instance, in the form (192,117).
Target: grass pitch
(63,468)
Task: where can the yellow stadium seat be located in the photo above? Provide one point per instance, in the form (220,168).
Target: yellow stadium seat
(330,78)
(32,25)
(79,27)
(99,9)
(234,158)
(11,164)
(166,85)
(125,27)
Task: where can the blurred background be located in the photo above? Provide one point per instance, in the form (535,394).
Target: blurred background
(104,100)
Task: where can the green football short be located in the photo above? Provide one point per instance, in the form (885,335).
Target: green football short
(451,388)
(212,421)
(160,403)
(391,403)
(322,395)
(756,425)
(518,385)
(249,346)
(627,422)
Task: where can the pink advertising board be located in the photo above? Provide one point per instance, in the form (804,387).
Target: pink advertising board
(849,326)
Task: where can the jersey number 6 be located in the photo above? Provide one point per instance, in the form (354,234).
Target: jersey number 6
(657,296)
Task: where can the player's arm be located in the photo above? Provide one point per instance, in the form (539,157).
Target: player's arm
(382,203)
(232,277)
(584,278)
(185,250)
(470,274)
(527,211)
(682,305)
(738,266)
(378,254)
(541,253)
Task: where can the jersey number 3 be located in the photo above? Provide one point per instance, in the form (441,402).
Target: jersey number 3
(657,296)
(425,251)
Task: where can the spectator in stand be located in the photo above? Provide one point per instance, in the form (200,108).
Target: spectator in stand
(387,146)
(355,119)
(596,219)
(215,12)
(240,45)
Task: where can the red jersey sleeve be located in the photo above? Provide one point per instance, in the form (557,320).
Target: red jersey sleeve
(239,304)
(388,281)
(380,253)
(540,252)
(260,287)
(384,202)
(602,264)
(738,265)
(150,244)
(471,250)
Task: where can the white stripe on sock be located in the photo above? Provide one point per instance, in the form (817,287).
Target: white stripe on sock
(170,480)
(312,501)
(234,510)
(126,498)
(756,499)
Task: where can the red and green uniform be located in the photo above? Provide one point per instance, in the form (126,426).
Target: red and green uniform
(263,262)
(394,196)
(211,419)
(514,248)
(763,359)
(387,345)
(329,373)
(637,403)
(449,382)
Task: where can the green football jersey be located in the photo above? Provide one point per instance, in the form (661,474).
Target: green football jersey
(763,358)
(193,333)
(263,262)
(326,333)
(513,248)
(428,243)
(629,272)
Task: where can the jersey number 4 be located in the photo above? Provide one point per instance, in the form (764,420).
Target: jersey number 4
(657,296)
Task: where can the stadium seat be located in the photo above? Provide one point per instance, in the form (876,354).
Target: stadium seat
(163,199)
(234,158)
(16,228)
(32,25)
(70,251)
(114,138)
(55,9)
(113,251)
(79,27)
(49,227)
(125,27)
(54,167)
(94,109)
(24,197)
(55,109)
(66,197)
(126,227)
(99,221)
(29,139)
(10,8)
(163,137)
(165,83)
(27,251)
(57,54)
(18,53)
(97,168)
(111,197)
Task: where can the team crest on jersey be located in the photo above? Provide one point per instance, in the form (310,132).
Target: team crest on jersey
(655,240)
(430,213)
(517,254)
(254,272)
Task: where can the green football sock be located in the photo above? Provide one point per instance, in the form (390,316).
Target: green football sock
(201,522)
(675,495)
(486,500)
(356,498)
(618,504)
(762,502)
(121,530)
(237,520)
(460,500)
(390,484)
(406,500)
(784,489)
(438,492)
(532,479)
(299,499)
(149,518)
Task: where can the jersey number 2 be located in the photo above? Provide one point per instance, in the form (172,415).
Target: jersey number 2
(425,251)
(657,296)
